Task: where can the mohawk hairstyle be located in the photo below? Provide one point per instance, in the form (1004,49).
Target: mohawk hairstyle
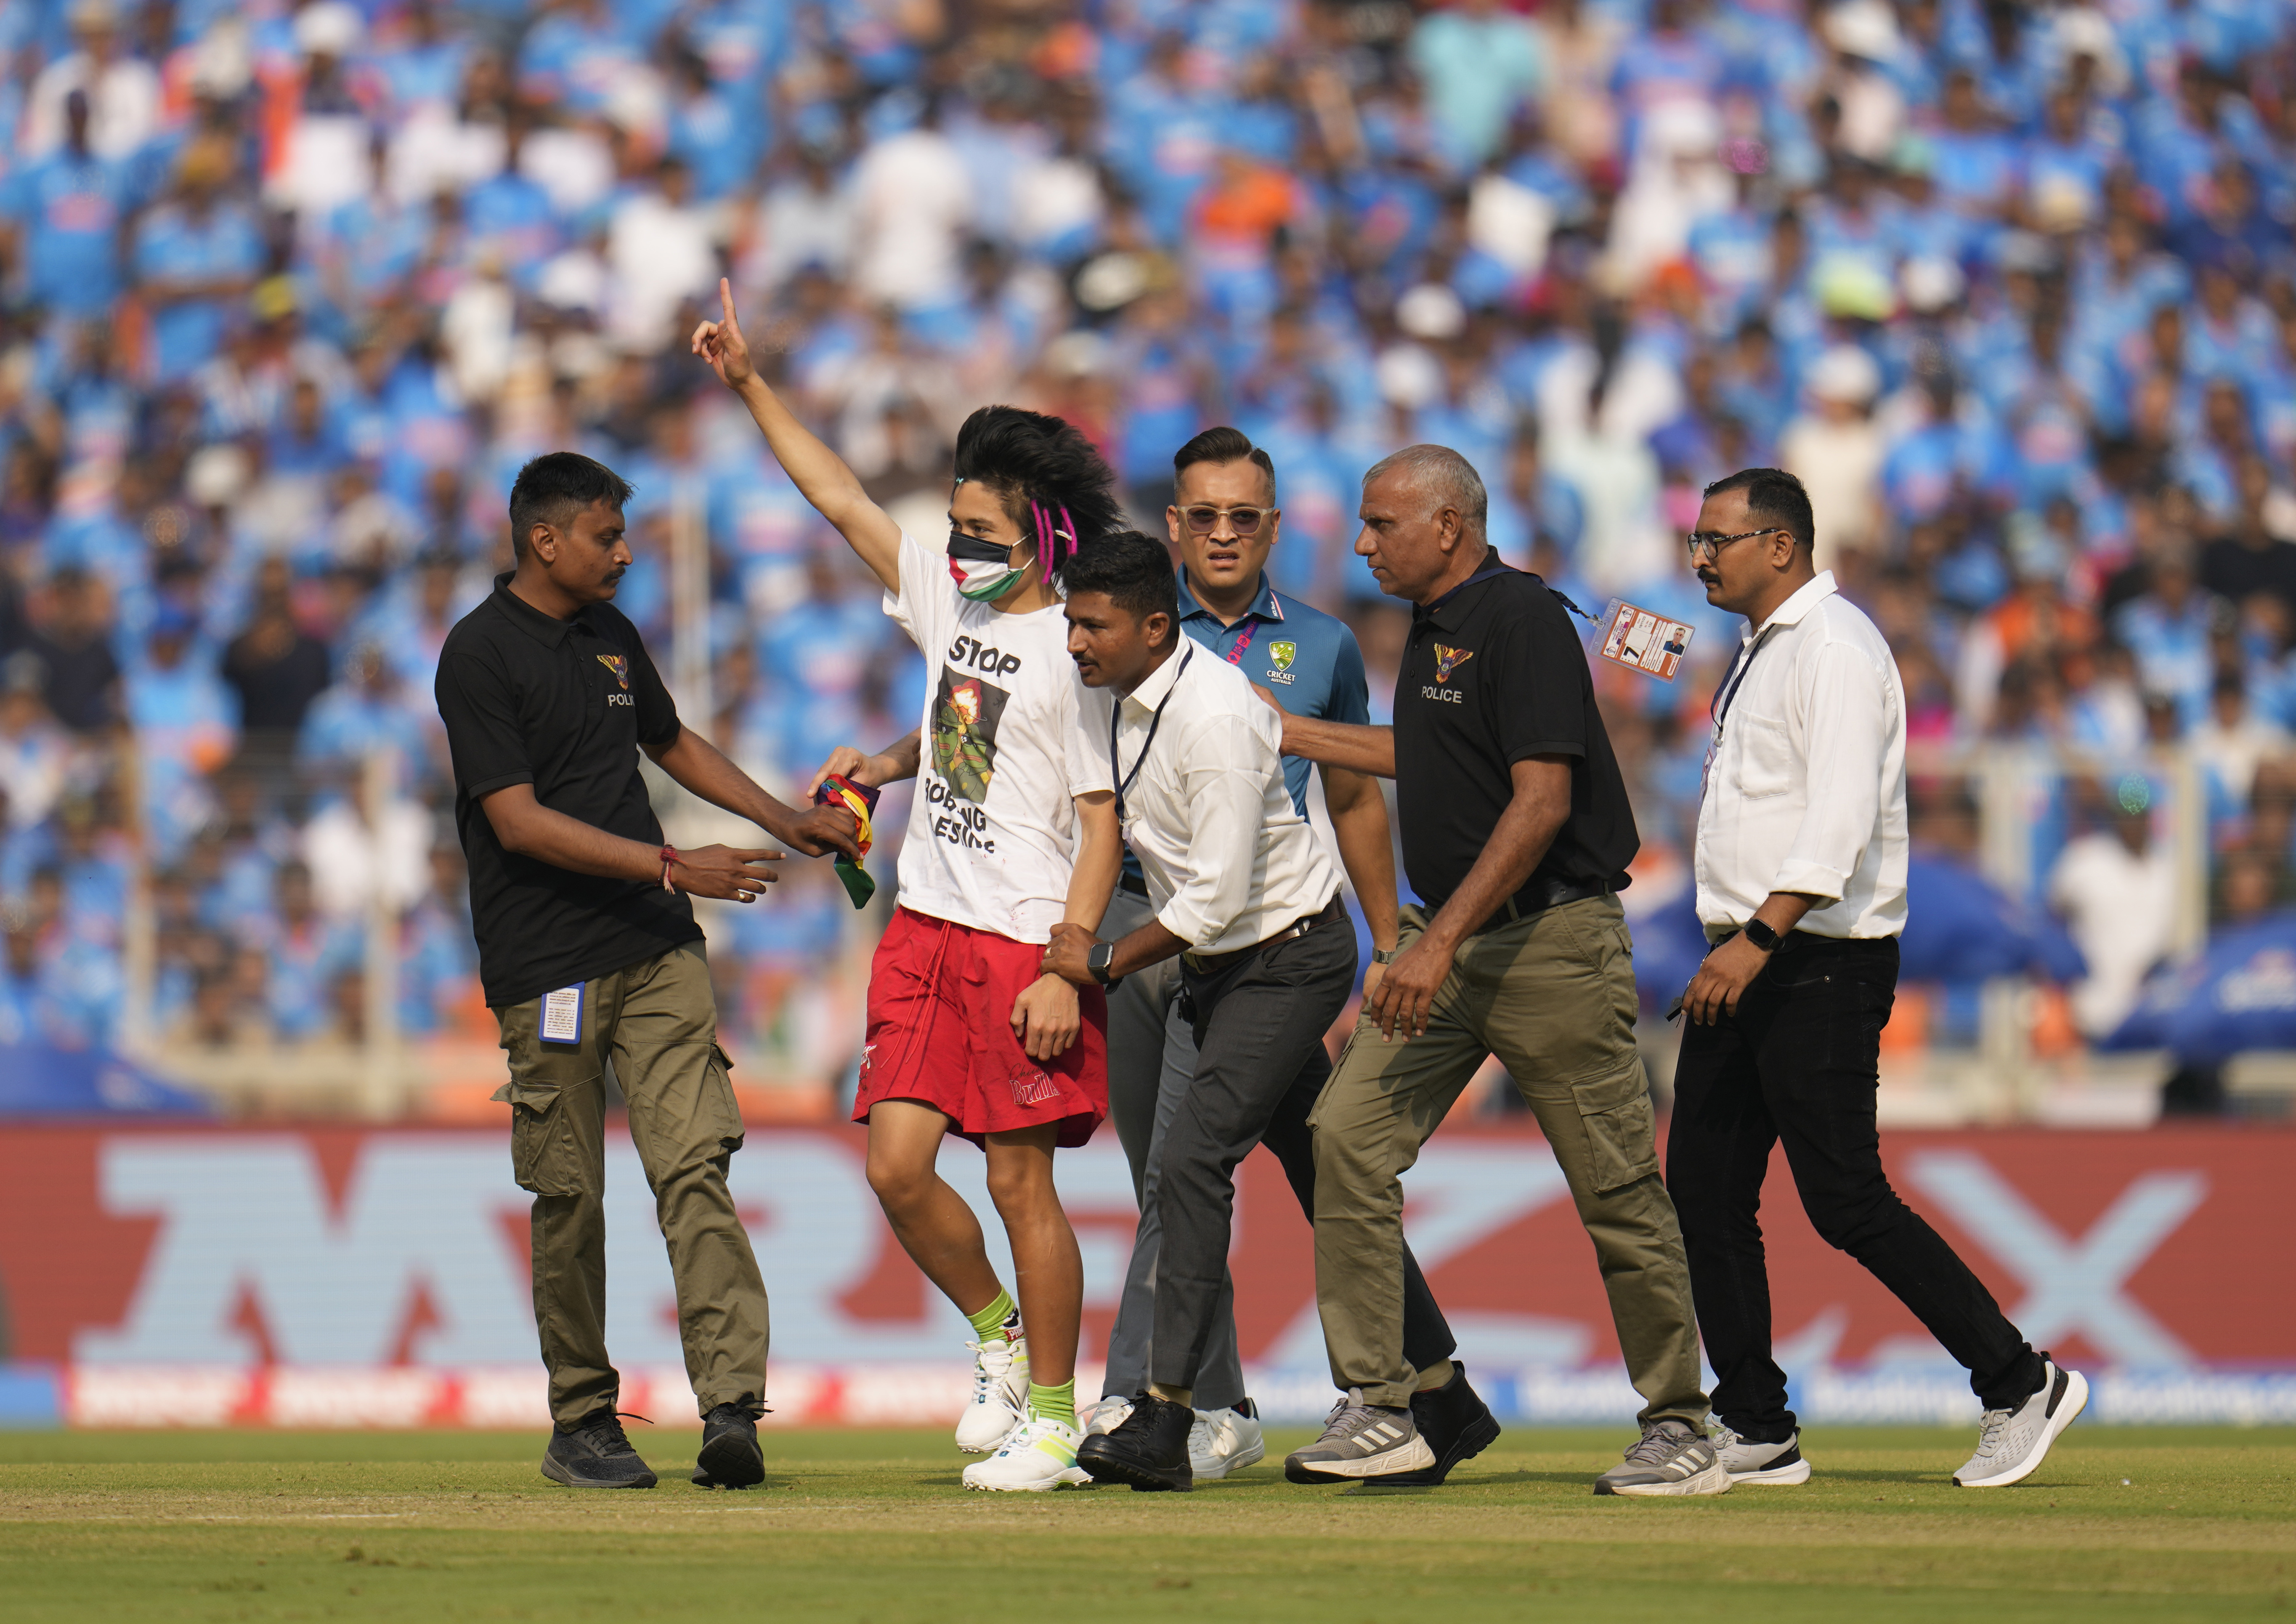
(1047,475)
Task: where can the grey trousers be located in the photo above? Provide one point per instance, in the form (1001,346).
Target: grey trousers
(1152,1059)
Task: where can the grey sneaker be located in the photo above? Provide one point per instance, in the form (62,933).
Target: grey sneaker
(2011,1443)
(1752,1462)
(1670,1460)
(1360,1440)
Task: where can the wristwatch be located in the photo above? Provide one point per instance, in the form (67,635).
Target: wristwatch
(1382,956)
(1098,959)
(1762,936)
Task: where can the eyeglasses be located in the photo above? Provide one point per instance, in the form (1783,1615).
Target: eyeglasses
(1711,545)
(1203,520)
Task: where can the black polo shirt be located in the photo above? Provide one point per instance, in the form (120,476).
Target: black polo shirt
(1493,673)
(562,705)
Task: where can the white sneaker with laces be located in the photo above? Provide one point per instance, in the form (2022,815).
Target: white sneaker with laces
(1752,1462)
(1222,1442)
(2011,1443)
(1108,1415)
(1036,1458)
(1000,1394)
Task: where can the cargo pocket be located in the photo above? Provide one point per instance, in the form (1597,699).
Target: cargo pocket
(1621,1136)
(718,1102)
(544,1154)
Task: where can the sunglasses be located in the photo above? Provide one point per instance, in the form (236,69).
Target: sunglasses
(1242,521)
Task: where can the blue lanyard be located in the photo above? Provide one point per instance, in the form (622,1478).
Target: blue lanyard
(1738,669)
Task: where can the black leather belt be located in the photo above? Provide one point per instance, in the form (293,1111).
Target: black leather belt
(1134,884)
(1539,896)
(1334,912)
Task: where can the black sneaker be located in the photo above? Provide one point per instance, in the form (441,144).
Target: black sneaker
(730,1458)
(1149,1451)
(593,1453)
(1456,1424)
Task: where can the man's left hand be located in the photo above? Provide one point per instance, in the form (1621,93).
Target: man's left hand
(822,829)
(1722,980)
(1405,996)
(1065,954)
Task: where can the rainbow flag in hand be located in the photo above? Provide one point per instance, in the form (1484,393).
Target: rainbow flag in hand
(839,791)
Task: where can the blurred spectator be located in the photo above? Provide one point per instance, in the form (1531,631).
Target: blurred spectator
(276,670)
(2116,889)
(35,756)
(71,639)
(2232,742)
(1478,64)
(122,91)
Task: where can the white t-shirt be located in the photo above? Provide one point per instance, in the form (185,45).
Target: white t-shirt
(993,830)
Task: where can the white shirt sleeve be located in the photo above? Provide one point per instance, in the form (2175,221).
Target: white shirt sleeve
(1843,746)
(1087,733)
(1224,768)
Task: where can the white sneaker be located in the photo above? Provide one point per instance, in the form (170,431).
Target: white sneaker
(1109,1414)
(1222,1442)
(1036,1458)
(1000,1394)
(1751,1463)
(2011,1443)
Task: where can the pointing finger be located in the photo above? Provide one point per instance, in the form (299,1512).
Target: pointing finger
(726,301)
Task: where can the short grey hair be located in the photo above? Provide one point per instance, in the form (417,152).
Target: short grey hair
(1446,477)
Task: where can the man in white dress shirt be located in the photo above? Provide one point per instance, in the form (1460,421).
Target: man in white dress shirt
(1243,895)
(1801,887)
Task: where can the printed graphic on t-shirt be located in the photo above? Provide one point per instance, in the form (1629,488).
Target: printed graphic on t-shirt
(965,714)
(619,665)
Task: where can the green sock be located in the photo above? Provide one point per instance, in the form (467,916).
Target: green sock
(1053,1403)
(999,1318)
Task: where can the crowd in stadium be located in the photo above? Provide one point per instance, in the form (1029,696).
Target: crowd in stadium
(291,290)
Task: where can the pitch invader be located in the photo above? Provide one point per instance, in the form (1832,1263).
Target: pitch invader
(1013,833)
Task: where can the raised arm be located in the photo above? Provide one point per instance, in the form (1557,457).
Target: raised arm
(819,473)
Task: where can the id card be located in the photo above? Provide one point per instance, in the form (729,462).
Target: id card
(561,1015)
(1642,640)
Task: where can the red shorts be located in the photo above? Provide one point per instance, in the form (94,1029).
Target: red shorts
(940,1033)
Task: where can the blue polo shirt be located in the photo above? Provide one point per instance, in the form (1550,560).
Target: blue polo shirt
(1309,659)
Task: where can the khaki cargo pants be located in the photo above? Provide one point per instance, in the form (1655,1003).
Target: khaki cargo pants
(658,1021)
(1553,995)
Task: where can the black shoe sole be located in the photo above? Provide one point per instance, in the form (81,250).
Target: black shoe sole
(557,1472)
(1143,1478)
(1480,1435)
(730,1462)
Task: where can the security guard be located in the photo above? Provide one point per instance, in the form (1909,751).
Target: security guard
(587,950)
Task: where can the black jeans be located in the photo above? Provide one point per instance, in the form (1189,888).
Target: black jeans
(1800,1063)
(1260,1065)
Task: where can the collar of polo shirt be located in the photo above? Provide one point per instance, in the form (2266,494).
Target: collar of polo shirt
(1263,603)
(546,629)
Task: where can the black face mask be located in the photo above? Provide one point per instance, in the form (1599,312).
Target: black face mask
(973,547)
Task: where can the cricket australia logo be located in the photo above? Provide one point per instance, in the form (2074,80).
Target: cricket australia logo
(619,665)
(1447,658)
(1282,654)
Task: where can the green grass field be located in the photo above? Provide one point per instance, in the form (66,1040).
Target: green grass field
(874,1526)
